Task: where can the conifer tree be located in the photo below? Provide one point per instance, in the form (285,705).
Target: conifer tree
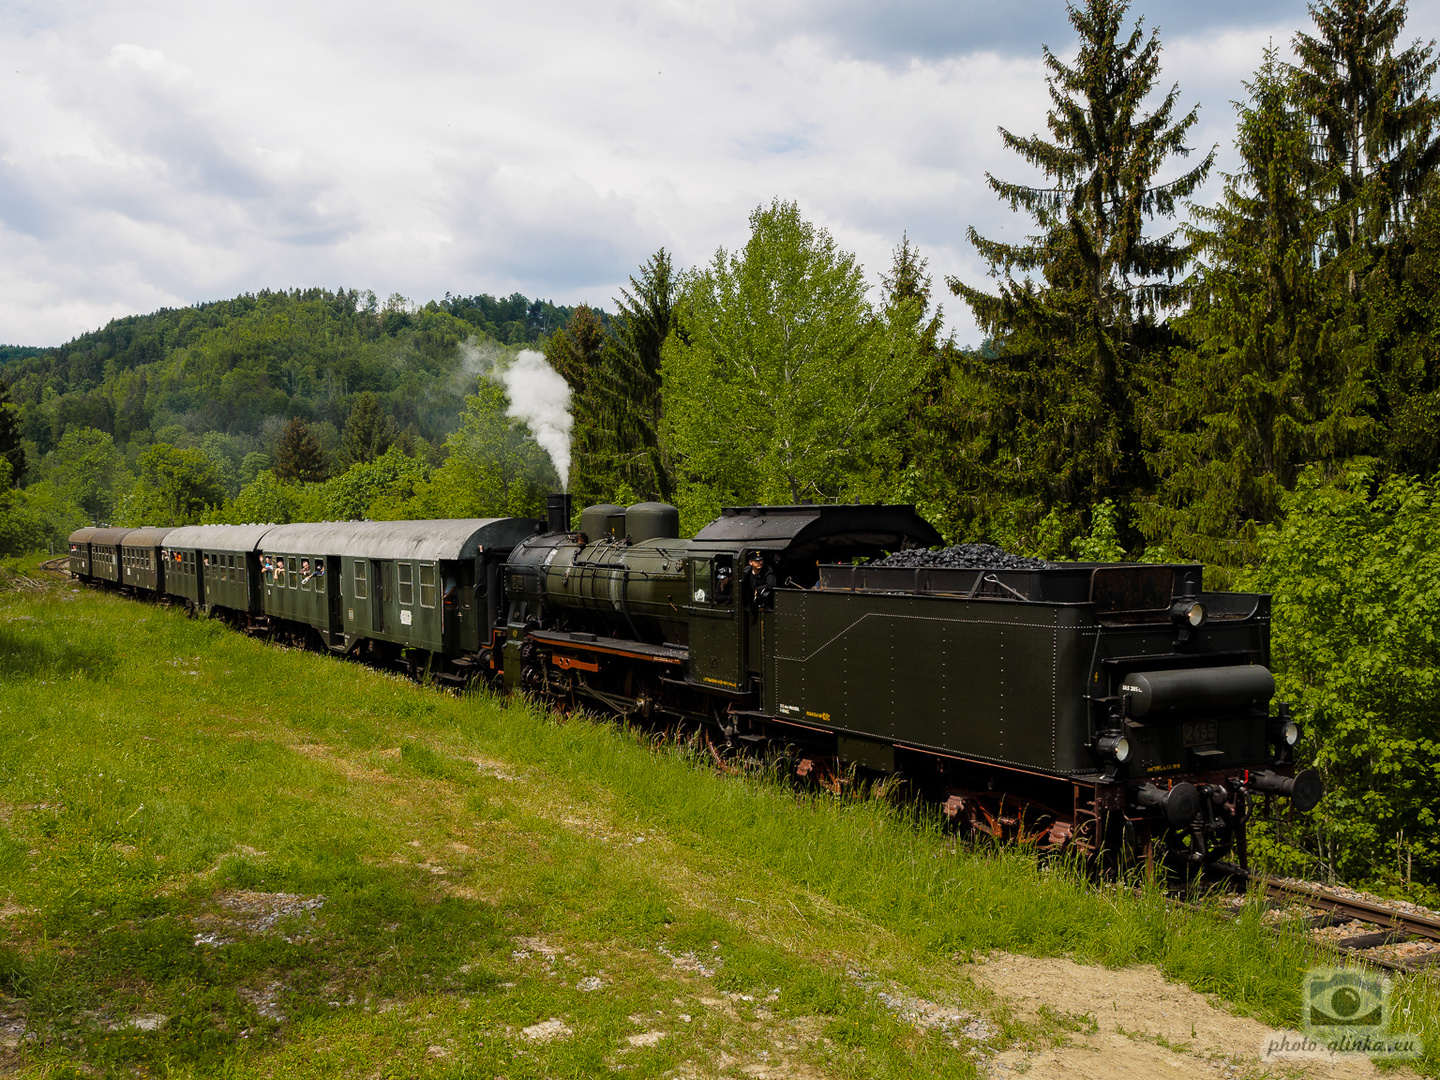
(1377,128)
(11,448)
(1272,381)
(1079,316)
(577,352)
(369,430)
(628,398)
(299,456)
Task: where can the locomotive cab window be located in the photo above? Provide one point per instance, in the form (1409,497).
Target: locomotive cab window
(405,579)
(701,586)
(361,590)
(723,580)
(427,584)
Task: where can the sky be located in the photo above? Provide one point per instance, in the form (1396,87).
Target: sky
(159,153)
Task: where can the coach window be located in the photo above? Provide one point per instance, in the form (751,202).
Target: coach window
(406,581)
(361,591)
(427,584)
(294,573)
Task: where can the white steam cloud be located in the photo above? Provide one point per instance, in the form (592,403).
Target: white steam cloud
(540,396)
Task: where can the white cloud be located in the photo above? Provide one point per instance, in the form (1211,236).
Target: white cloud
(161,153)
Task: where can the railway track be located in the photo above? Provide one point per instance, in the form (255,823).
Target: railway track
(1354,926)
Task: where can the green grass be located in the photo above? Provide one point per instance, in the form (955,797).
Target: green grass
(483,868)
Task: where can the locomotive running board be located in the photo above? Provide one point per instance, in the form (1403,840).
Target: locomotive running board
(635,650)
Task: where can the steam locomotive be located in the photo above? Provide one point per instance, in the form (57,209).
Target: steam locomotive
(1098,707)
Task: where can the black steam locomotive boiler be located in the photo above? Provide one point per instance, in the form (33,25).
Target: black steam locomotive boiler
(1091,706)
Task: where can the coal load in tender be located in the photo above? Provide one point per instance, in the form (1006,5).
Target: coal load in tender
(964,557)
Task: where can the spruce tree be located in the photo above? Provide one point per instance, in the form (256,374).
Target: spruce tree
(11,447)
(628,398)
(1272,380)
(1377,128)
(1079,316)
(369,430)
(577,352)
(299,456)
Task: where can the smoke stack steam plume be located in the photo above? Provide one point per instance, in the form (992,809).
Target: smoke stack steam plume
(540,396)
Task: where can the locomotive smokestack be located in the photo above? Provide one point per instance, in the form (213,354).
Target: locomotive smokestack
(557,513)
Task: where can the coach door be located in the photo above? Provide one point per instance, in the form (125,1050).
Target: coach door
(332,579)
(379,593)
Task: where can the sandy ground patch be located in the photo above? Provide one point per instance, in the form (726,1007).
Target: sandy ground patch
(1147,1027)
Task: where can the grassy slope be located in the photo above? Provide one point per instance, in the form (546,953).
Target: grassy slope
(161,779)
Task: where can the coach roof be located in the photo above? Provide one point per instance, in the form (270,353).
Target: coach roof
(147,537)
(217,537)
(426,541)
(108,536)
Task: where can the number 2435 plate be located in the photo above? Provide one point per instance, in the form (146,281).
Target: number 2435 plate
(1199,733)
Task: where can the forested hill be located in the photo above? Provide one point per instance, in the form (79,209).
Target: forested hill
(244,367)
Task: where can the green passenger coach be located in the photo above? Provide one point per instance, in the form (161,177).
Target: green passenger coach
(427,585)
(214,566)
(142,564)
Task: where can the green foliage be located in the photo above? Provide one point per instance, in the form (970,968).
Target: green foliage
(1402,302)
(299,457)
(88,469)
(11,448)
(1380,128)
(37,518)
(1355,569)
(1075,326)
(780,381)
(1275,378)
(578,354)
(1102,542)
(494,467)
(176,487)
(266,498)
(375,489)
(369,430)
(629,401)
(513,320)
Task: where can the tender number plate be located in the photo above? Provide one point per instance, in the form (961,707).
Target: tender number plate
(1199,733)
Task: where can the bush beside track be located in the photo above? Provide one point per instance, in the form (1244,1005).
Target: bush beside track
(217,851)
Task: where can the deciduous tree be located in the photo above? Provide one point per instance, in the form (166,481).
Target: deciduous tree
(87,468)
(780,379)
(177,486)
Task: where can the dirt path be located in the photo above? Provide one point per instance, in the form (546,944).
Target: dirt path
(1132,1023)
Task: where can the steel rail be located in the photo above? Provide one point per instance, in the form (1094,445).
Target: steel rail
(1394,925)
